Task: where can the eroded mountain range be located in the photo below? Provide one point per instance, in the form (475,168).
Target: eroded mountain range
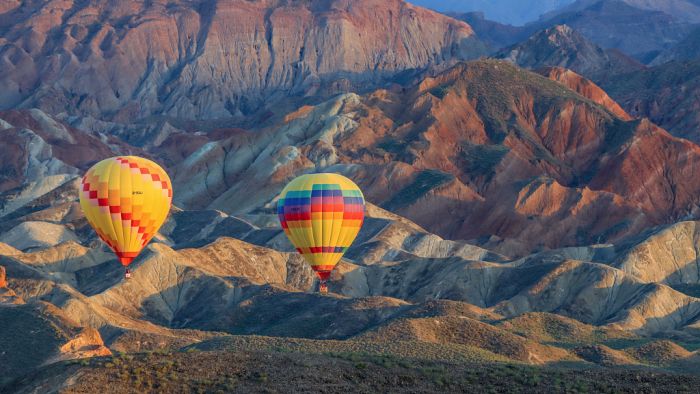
(516,212)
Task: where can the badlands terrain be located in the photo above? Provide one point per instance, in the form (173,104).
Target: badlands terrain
(528,227)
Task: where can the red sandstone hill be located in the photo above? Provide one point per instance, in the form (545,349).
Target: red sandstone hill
(585,88)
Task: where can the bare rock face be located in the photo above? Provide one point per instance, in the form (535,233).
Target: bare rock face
(585,88)
(666,255)
(397,283)
(210,60)
(442,152)
(591,293)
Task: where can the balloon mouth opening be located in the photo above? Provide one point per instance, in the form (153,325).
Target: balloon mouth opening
(323,275)
(126,257)
(126,260)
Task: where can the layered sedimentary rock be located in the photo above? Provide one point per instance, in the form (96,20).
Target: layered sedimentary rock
(481,149)
(207,60)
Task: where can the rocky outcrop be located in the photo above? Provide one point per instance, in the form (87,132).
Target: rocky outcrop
(7,250)
(504,207)
(395,285)
(594,293)
(445,171)
(87,343)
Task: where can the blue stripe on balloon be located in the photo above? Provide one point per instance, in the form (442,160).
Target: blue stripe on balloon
(297,201)
(326,193)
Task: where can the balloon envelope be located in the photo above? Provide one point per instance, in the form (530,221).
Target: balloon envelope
(321,215)
(126,199)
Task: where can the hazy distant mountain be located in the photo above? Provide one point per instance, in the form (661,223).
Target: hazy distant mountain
(514,12)
(494,34)
(641,33)
(685,10)
(687,49)
(637,29)
(668,94)
(562,46)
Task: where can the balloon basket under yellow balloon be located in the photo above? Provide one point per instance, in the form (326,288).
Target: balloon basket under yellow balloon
(323,288)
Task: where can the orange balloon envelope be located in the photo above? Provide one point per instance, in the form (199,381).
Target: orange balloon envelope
(126,199)
(321,215)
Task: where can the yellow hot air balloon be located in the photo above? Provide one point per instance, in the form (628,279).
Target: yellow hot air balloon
(321,215)
(126,199)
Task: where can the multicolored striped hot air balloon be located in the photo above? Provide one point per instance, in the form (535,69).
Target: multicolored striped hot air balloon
(321,215)
(126,199)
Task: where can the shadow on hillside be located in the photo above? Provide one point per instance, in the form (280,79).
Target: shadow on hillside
(237,306)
